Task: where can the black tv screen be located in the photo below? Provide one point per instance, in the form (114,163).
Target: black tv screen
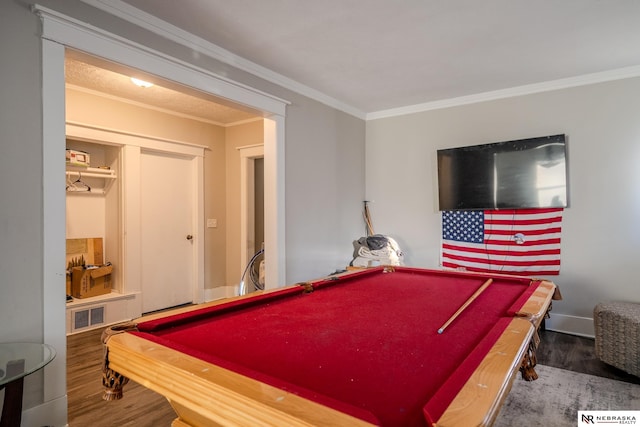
(519,174)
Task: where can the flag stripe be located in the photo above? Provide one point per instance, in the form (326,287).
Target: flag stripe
(500,251)
(528,243)
(535,231)
(505,260)
(517,271)
(516,241)
(510,221)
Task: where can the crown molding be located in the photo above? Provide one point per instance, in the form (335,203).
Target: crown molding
(587,79)
(164,29)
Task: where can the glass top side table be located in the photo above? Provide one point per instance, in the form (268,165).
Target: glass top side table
(17,360)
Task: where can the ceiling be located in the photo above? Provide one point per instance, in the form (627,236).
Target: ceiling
(88,73)
(376,55)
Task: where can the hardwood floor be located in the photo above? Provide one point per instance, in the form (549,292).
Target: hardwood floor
(141,407)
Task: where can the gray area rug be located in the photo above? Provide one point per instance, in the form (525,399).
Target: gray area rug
(555,398)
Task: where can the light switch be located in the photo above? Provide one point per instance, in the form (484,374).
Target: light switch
(212,223)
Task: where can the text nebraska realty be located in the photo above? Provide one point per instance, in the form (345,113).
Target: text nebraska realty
(609,419)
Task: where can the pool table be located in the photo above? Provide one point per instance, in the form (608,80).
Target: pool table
(389,346)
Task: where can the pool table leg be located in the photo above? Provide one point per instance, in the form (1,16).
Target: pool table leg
(112,381)
(529,362)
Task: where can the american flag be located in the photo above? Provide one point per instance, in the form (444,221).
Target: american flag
(522,241)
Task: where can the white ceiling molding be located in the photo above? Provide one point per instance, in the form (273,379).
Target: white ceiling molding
(184,38)
(622,73)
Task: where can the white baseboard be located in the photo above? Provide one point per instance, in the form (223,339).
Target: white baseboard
(574,325)
(51,413)
(220,292)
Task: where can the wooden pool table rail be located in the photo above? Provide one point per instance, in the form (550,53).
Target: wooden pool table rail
(479,401)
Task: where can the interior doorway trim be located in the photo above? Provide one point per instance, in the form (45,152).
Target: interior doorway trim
(248,245)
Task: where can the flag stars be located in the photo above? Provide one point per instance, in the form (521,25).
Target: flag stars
(463,226)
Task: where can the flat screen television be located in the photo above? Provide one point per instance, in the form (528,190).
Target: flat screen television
(519,174)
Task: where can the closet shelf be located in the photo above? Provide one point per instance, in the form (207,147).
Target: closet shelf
(106,178)
(89,172)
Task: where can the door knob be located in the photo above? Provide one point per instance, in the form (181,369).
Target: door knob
(189,237)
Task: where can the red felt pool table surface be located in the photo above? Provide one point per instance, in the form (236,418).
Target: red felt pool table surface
(365,345)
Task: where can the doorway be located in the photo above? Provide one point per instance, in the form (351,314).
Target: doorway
(59,32)
(188,117)
(252,230)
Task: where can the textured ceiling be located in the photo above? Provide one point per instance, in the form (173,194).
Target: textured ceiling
(92,74)
(380,54)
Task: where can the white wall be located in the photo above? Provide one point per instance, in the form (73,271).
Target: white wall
(601,231)
(22,220)
(325,190)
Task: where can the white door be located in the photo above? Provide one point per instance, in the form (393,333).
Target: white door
(167,184)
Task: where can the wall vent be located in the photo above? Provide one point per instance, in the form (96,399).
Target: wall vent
(87,317)
(97,316)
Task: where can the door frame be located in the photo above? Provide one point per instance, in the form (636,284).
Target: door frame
(248,155)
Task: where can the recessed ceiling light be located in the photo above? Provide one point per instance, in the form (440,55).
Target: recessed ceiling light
(140,83)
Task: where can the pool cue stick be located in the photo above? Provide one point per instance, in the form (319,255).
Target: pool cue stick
(475,295)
